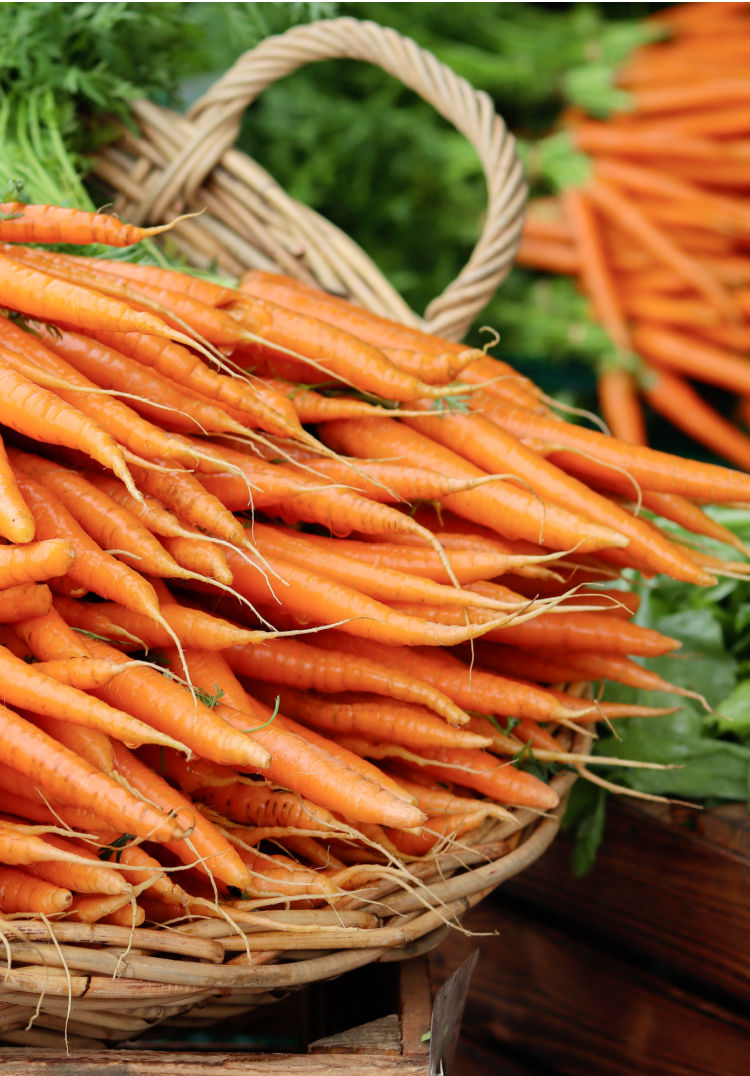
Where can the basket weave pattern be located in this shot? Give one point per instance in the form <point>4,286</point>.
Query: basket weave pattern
<point>180,163</point>
<point>106,983</point>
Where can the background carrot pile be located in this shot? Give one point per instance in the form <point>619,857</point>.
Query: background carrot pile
<point>262,642</point>
<point>652,219</point>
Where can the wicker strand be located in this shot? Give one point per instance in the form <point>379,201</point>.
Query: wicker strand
<point>189,162</point>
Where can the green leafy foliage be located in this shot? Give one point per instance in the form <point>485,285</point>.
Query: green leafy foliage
<point>710,750</point>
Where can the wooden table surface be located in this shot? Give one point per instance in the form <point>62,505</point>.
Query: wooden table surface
<point>642,968</point>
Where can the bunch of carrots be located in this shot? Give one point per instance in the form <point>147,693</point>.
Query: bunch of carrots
<point>263,642</point>
<point>652,220</point>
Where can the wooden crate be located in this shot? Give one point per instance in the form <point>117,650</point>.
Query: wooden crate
<point>390,1004</point>
<point>642,968</point>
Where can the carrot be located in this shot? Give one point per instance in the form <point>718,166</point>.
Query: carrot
<point>48,638</point>
<point>183,281</point>
<point>71,779</point>
<point>163,523</point>
<point>169,707</point>
<point>469,688</point>
<point>673,398</point>
<point>586,630</point>
<point>390,482</point>
<point>92,569</point>
<point>566,666</point>
<point>549,255</point>
<point>297,664</point>
<point>217,857</point>
<point>25,686</point>
<point>95,877</point>
<point>158,398</point>
<point>599,138</point>
<point>620,406</point>
<point>91,744</point>
<point>26,223</point>
<point>40,414</point>
<point>625,212</point>
<point>333,749</point>
<point>690,516</point>
<point>113,416</point>
<point>193,627</point>
<point>126,916</point>
<point>92,909</point>
<point>510,510</point>
<point>502,781</point>
<point>23,601</point>
<point>41,295</point>
<point>690,97</point>
<point>279,876</point>
<point>648,467</point>
<point>270,411</point>
<point>362,715</point>
<point>389,336</point>
<point>388,584</point>
<point>85,674</point>
<point>242,799</point>
<point>107,523</point>
<point>469,565</point>
<point>22,892</point>
<point>595,274</point>
<point>16,521</point>
<point>175,308</point>
<point>312,596</point>
<point>298,497</point>
<point>346,357</point>
<point>192,501</point>
<point>297,763</point>
<point>311,407</point>
<point>692,358</point>
<point>35,561</point>
<point>484,443</point>
<point>197,557</point>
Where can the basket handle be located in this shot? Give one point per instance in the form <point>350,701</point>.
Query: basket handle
<point>217,115</point>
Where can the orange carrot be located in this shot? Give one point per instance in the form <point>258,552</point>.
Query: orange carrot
<point>16,521</point>
<point>300,665</point>
<point>92,569</point>
<point>296,762</point>
<point>346,357</point>
<point>620,406</point>
<point>626,213</point>
<point>23,601</point>
<point>71,779</point>
<point>25,686</point>
<point>512,511</point>
<point>216,855</point>
<point>598,455</point>
<point>469,688</point>
<point>26,223</point>
<point>673,398</point>
<point>484,443</point>
<point>22,892</point>
<point>35,561</point>
<point>362,715</point>
<point>169,707</point>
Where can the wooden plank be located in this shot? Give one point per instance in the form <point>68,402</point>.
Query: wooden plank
<point>665,891</point>
<point>36,1062</point>
<point>415,1006</point>
<point>381,1037</point>
<point>559,1003</point>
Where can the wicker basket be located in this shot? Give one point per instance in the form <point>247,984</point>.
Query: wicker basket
<point>104,984</point>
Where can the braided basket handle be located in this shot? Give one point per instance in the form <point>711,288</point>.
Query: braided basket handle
<point>216,121</point>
